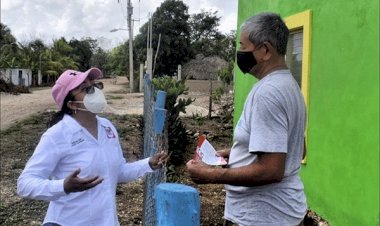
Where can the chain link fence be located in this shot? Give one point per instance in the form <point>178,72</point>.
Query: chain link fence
<point>155,141</point>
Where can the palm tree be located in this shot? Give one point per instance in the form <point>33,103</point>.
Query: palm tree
<point>8,48</point>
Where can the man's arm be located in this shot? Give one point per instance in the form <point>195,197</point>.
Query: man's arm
<point>269,168</point>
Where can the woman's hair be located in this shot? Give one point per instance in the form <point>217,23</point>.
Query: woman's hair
<point>59,115</point>
<point>267,27</point>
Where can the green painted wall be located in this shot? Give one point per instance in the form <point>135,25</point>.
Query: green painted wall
<point>341,176</point>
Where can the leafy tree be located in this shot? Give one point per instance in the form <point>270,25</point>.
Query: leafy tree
<point>6,36</point>
<point>82,52</point>
<point>31,54</point>
<point>100,60</point>
<point>171,21</point>
<point>61,47</point>
<point>9,49</point>
<point>204,33</point>
<point>118,60</point>
<point>58,60</point>
<point>228,44</point>
<point>207,40</point>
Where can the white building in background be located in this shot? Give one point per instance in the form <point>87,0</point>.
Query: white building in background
<point>19,76</point>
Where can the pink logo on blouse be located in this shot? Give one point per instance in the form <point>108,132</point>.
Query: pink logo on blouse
<point>109,132</point>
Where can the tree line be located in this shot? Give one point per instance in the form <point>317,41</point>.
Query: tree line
<point>183,36</point>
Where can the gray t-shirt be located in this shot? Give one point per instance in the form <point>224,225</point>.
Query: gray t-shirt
<point>273,120</point>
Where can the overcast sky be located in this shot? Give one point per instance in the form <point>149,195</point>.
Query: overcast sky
<point>52,19</point>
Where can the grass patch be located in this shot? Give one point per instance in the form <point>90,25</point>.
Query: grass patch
<point>120,91</point>
<point>110,97</point>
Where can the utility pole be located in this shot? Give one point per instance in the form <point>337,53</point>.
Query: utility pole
<point>39,75</point>
<point>130,28</point>
<point>149,49</point>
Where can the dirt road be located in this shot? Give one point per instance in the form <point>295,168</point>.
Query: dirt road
<point>120,101</point>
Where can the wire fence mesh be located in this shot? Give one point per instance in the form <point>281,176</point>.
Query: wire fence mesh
<point>153,143</point>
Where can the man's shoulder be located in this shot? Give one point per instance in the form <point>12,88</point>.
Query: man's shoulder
<point>276,83</point>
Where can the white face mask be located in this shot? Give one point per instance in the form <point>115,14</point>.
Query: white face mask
<point>95,102</point>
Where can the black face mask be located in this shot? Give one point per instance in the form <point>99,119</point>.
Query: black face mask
<point>245,60</point>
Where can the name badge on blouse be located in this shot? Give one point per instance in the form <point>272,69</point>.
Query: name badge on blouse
<point>76,142</point>
<point>109,132</point>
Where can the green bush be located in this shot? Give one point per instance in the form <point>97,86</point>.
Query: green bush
<point>222,97</point>
<point>177,137</point>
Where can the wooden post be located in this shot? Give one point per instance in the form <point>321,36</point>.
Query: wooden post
<point>177,204</point>
<point>141,84</point>
<point>210,97</point>
<point>179,73</point>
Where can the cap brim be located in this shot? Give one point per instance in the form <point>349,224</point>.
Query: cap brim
<point>94,73</point>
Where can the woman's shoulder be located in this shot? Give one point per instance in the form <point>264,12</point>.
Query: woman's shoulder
<point>63,129</point>
<point>57,130</point>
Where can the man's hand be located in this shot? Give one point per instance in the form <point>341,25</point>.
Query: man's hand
<point>225,153</point>
<point>73,183</point>
<point>158,160</point>
<point>199,172</point>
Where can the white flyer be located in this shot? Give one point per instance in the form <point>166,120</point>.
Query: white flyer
<point>207,153</point>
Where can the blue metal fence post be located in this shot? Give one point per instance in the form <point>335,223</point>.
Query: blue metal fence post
<point>161,99</point>
<point>159,112</point>
<point>177,204</point>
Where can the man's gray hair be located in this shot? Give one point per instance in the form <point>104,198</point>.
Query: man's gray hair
<point>267,27</point>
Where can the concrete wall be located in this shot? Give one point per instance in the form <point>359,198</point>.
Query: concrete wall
<point>18,76</point>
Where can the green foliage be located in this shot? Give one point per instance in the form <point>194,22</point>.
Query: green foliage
<point>171,21</point>
<point>173,90</point>
<point>227,46</point>
<point>10,53</point>
<point>177,136</point>
<point>205,38</point>
<point>199,118</point>
<point>82,52</point>
<point>204,33</point>
<point>118,60</point>
<point>100,59</point>
<point>110,97</point>
<point>56,60</point>
<point>222,96</point>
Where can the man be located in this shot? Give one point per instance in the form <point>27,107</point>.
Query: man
<point>261,179</point>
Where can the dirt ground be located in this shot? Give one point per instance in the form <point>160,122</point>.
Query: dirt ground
<point>24,118</point>
<point>120,101</point>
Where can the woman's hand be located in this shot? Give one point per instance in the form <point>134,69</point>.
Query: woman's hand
<point>158,160</point>
<point>73,183</point>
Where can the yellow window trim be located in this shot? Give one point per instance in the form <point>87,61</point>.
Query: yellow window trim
<point>296,22</point>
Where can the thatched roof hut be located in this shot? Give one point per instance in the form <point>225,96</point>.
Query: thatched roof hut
<point>201,68</point>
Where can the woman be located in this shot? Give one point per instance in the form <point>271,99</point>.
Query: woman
<point>78,161</point>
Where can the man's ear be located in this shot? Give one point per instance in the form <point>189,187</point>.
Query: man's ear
<point>268,50</point>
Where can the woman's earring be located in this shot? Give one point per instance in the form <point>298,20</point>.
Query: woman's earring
<point>75,111</point>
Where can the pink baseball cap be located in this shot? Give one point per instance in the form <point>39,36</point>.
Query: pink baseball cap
<point>69,80</point>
